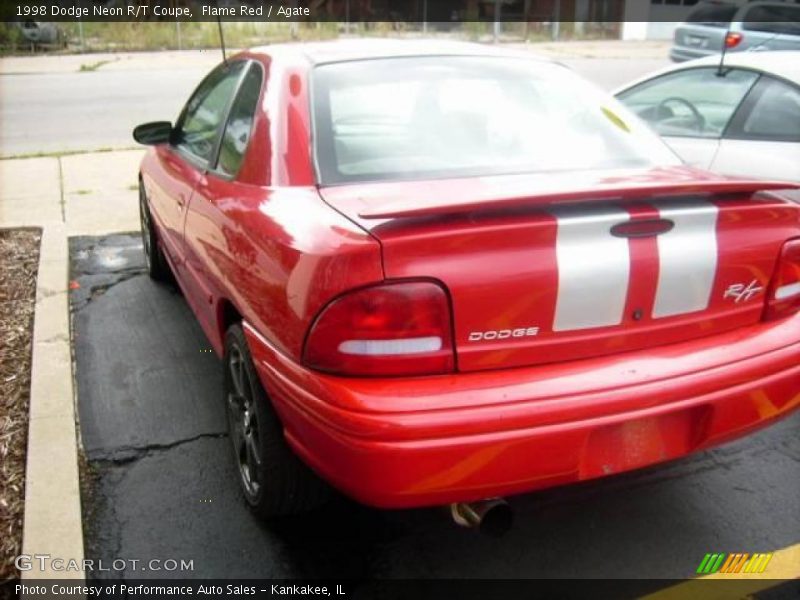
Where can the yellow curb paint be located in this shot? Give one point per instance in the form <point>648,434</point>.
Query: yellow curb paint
<point>773,569</point>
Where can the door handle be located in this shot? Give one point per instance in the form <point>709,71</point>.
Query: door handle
<point>181,202</point>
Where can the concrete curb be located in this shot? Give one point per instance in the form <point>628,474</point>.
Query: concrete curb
<point>52,522</point>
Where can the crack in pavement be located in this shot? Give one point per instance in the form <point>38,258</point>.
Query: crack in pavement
<point>125,455</point>
<point>61,202</point>
<point>92,292</point>
<point>99,290</point>
<point>97,266</point>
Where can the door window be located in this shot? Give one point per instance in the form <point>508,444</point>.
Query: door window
<point>197,130</point>
<point>690,103</point>
<point>774,114</point>
<point>240,123</point>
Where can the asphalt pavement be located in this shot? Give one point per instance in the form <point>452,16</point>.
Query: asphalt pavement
<point>62,112</point>
<point>161,480</point>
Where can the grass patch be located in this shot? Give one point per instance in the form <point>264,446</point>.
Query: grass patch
<point>131,35</point>
<point>89,67</point>
<point>155,36</point>
<point>19,262</point>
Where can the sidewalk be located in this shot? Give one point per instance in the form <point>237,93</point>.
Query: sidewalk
<point>82,194</point>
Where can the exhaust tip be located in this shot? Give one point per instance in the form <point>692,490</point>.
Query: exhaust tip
<point>493,517</point>
<point>498,521</point>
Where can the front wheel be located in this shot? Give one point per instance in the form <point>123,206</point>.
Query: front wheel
<point>274,481</point>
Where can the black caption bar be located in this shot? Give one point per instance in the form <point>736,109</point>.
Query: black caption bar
<point>435,11</point>
<point>463,589</point>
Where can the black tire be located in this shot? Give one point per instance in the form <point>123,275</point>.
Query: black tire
<point>156,263</point>
<point>274,481</point>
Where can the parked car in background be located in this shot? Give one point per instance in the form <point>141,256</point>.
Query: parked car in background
<point>742,119</point>
<point>37,32</point>
<point>737,27</point>
<point>443,273</point>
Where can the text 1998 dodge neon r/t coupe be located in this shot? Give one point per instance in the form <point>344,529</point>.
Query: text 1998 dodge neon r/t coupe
<point>445,273</point>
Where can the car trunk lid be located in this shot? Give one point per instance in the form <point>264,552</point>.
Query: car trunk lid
<point>548,268</point>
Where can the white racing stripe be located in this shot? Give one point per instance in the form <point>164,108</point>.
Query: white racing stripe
<point>687,257</point>
<point>593,268</point>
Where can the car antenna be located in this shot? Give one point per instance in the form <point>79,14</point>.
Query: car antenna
<point>720,72</point>
<point>222,40</point>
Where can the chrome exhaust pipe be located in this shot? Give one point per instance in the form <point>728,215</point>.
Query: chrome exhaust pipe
<point>492,517</point>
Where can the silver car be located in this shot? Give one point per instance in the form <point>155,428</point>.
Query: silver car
<point>712,26</point>
<point>742,119</point>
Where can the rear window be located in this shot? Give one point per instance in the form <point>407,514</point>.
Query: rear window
<point>713,15</point>
<point>773,19</point>
<point>437,117</point>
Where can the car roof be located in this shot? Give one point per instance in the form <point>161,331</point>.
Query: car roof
<point>782,63</point>
<point>366,49</point>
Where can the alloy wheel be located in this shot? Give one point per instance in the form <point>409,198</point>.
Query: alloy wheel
<point>243,422</point>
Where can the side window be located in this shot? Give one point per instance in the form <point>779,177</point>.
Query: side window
<point>690,103</point>
<point>197,130</point>
<point>240,123</point>
<point>774,114</point>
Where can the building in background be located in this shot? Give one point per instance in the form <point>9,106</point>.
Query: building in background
<point>471,10</point>
<point>631,19</point>
<point>654,19</point>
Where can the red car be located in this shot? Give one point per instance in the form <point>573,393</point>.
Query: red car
<point>445,273</point>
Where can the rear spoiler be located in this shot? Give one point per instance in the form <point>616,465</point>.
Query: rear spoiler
<point>444,203</point>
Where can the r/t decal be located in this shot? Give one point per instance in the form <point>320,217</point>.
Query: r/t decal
<point>742,293</point>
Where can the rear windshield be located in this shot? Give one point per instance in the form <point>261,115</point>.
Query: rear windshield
<point>438,117</point>
<point>713,15</point>
<point>773,19</point>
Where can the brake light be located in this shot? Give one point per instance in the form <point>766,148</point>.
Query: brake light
<point>733,39</point>
<point>391,329</point>
<point>783,297</point>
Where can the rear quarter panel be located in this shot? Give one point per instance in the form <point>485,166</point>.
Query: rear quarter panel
<point>277,255</point>
<point>267,243</point>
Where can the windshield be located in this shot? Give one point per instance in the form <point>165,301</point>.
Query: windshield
<point>713,15</point>
<point>773,19</point>
<point>436,117</point>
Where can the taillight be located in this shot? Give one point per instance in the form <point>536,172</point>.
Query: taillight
<point>391,329</point>
<point>733,39</point>
<point>783,297</point>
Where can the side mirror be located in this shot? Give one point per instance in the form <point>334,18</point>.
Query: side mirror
<point>152,134</point>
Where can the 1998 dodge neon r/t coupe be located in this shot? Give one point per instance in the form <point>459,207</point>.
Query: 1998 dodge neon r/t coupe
<point>445,273</point>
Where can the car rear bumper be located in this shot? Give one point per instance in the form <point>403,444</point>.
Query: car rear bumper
<point>435,440</point>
